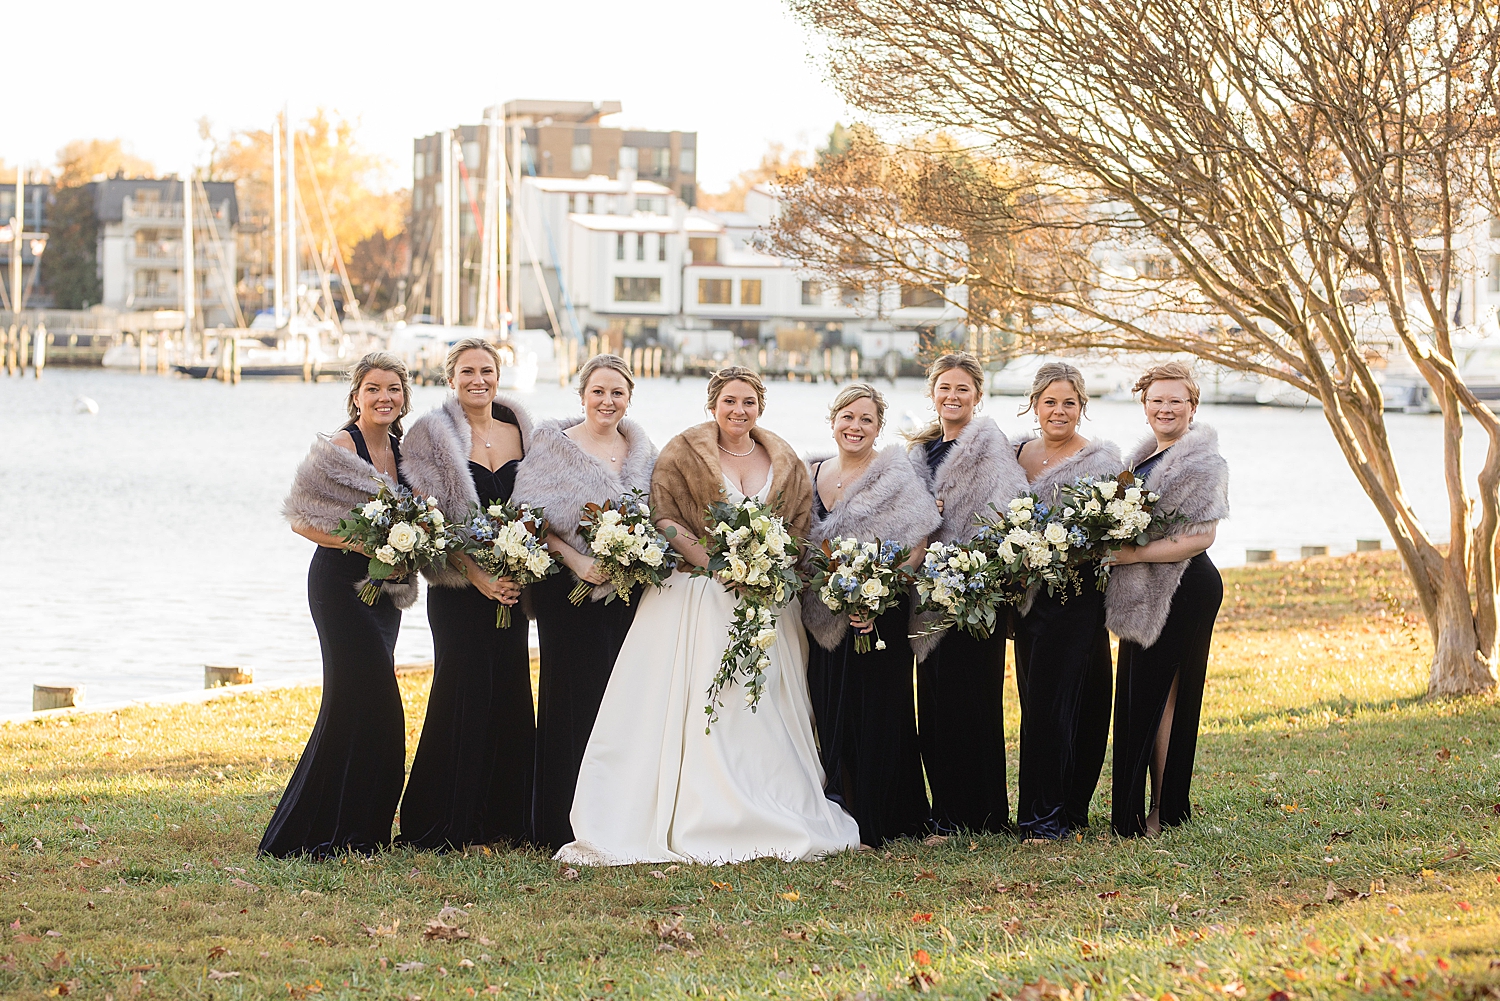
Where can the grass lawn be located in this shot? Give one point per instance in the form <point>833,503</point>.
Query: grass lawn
<point>1344,842</point>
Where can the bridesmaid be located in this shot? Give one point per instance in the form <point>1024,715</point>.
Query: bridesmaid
<point>471,778</point>
<point>343,794</point>
<point>1065,699</point>
<point>573,462</point>
<point>862,702</point>
<point>968,464</point>
<point>1161,602</point>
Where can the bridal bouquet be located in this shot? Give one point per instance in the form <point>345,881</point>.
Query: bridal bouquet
<point>622,537</point>
<point>860,578</point>
<point>508,540</point>
<point>751,552</point>
<point>966,583</point>
<point>1104,513</point>
<point>402,531</point>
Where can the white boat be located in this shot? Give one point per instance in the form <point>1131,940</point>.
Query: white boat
<point>1104,377</point>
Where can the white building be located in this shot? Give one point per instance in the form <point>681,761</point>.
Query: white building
<point>140,246</point>
<point>626,256</point>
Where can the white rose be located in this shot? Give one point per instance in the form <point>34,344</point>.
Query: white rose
<point>373,508</point>
<point>765,639</point>
<point>880,644</point>
<point>652,556</point>
<point>539,562</point>
<point>1107,489</point>
<point>1055,533</point>
<point>873,589</point>
<point>387,555</point>
<point>1133,495</point>
<point>402,536</point>
<point>1092,507</point>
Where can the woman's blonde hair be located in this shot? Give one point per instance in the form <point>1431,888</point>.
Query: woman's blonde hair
<point>1057,371</point>
<point>735,373</point>
<point>379,361</point>
<point>450,364</point>
<point>858,391</point>
<point>1174,370</point>
<point>612,362</point>
<point>947,363</point>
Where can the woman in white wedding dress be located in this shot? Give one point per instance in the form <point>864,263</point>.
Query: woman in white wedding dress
<point>653,786</point>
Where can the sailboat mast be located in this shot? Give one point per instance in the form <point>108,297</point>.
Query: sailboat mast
<point>499,286</point>
<point>449,201</point>
<point>276,262</point>
<point>289,149</point>
<point>515,205</point>
<point>18,228</point>
<point>189,285</point>
<point>487,269</point>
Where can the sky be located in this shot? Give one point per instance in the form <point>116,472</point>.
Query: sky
<point>740,74</point>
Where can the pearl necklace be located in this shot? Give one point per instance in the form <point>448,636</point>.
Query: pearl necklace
<point>738,455</point>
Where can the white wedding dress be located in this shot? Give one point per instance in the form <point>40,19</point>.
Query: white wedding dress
<point>654,787</point>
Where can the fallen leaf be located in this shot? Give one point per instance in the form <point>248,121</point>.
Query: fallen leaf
<point>1443,754</point>
<point>669,930</point>
<point>791,895</point>
<point>317,940</point>
<point>1013,926</point>
<point>921,917</point>
<point>796,935</point>
<point>721,886</point>
<point>222,974</point>
<point>1233,989</point>
<point>926,874</point>
<point>838,883</point>
<point>449,913</point>
<point>386,931</point>
<point>1278,995</point>
<point>58,961</point>
<point>436,930</point>
<point>922,980</point>
<point>1465,906</point>
<point>1043,990</point>
<point>50,933</point>
<point>251,887</point>
<point>657,874</point>
<point>309,894</point>
<point>569,873</point>
<point>27,939</point>
<point>413,967</point>
<point>87,863</point>
<point>216,952</point>
<point>921,958</point>
<point>1454,853</point>
<point>933,840</point>
<point>1108,894</point>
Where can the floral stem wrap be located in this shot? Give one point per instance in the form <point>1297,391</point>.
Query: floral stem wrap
<point>622,538</point>
<point>507,540</point>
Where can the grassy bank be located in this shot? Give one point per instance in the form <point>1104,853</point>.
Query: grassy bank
<point>1344,842</point>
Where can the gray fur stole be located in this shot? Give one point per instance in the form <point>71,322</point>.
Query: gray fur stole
<point>435,461</point>
<point>980,469</point>
<point>888,502</point>
<point>561,477</point>
<point>1100,457</point>
<point>330,483</point>
<point>1192,480</point>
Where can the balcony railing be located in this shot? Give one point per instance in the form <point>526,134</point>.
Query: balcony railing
<point>156,209</point>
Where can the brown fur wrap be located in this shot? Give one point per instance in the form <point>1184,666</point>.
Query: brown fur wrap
<point>688,478</point>
<point>330,483</point>
<point>435,461</point>
<point>887,502</point>
<point>980,469</point>
<point>1192,480</point>
<point>1100,457</point>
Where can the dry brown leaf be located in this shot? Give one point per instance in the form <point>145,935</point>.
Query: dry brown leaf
<point>441,931</point>
<point>222,974</point>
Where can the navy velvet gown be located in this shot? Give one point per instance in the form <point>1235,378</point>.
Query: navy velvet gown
<point>470,780</point>
<point>343,794</point>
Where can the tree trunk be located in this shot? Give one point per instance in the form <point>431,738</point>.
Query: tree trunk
<point>1459,667</point>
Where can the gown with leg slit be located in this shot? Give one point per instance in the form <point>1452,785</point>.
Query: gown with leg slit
<point>471,777</point>
<point>1141,690</point>
<point>343,794</point>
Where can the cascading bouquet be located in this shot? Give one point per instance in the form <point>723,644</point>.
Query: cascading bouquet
<point>966,584</point>
<point>1102,514</point>
<point>402,532</point>
<point>509,540</point>
<point>860,578</point>
<point>750,552</point>
<point>1035,545</point>
<point>623,539</point>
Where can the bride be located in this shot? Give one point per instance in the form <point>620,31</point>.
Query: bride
<point>653,786</point>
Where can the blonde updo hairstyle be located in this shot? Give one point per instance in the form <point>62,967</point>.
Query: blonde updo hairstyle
<point>1057,371</point>
<point>613,363</point>
<point>1172,370</point>
<point>859,391</point>
<point>450,364</point>
<point>947,363</point>
<point>735,373</point>
<point>379,361</point>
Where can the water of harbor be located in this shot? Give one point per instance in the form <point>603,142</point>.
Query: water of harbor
<point>146,540</point>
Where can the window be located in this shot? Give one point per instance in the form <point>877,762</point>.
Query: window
<point>471,155</point>
<point>528,159</point>
<point>640,246</point>
<point>619,246</point>
<point>687,161</point>
<point>419,167</point>
<point>583,158</point>
<point>630,158</point>
<point>749,291</point>
<point>1495,273</point>
<point>715,291</point>
<point>848,295</point>
<point>1495,228</point>
<point>705,250</point>
<point>629,289</point>
<point>661,246</point>
<point>689,195</point>
<point>921,297</point>
<point>812,294</point>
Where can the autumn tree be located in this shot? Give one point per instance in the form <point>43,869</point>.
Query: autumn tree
<point>1295,184</point>
<point>85,160</point>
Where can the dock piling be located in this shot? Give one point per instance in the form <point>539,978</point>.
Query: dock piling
<point>220,675</point>
<point>55,697</point>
